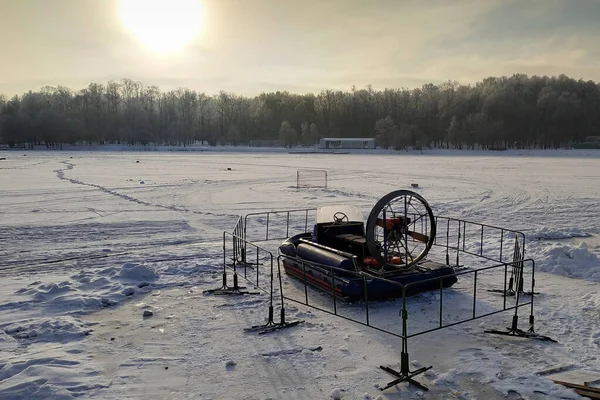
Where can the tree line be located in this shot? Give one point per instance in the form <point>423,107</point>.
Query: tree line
<point>499,112</point>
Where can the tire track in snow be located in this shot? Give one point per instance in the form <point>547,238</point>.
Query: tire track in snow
<point>26,166</point>
<point>60,174</point>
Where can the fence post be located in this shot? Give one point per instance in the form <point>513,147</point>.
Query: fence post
<point>267,237</point>
<point>405,374</point>
<point>224,289</point>
<point>474,293</point>
<point>501,243</point>
<point>481,243</point>
<point>366,290</point>
<point>458,245</point>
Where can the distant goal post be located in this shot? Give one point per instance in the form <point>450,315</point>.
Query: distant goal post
<point>311,178</point>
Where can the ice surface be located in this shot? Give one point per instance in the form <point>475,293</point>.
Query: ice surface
<point>86,249</point>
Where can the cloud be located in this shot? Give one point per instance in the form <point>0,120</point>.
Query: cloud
<point>305,45</point>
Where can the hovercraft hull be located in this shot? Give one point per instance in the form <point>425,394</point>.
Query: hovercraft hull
<point>336,274</point>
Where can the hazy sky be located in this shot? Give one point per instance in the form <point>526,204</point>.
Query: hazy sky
<point>249,46</point>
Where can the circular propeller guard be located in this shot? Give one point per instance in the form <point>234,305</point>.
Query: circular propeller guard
<point>400,230</point>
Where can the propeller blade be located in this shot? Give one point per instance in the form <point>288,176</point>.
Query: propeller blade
<point>390,223</point>
<point>419,236</point>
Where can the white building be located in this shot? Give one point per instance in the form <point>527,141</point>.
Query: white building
<point>347,143</point>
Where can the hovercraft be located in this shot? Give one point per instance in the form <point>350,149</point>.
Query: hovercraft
<point>385,260</point>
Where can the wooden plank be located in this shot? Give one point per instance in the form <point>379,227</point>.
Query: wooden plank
<point>586,393</point>
<point>584,382</point>
<point>576,376</point>
<point>579,386</point>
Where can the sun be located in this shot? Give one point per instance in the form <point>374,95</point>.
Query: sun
<point>164,26</point>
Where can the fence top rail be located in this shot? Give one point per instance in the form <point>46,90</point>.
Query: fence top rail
<point>362,274</point>
<point>437,216</point>
<point>278,212</point>
<point>483,225</point>
<point>404,298</point>
<point>459,249</point>
<point>443,217</point>
<point>241,239</point>
<point>477,270</point>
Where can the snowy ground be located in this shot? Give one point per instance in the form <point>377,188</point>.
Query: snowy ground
<point>91,240</point>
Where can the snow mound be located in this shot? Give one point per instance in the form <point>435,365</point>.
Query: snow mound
<point>86,291</point>
<point>568,260</point>
<point>57,330</point>
<point>52,290</point>
<point>42,316</point>
<point>137,273</point>
<point>46,377</point>
<point>446,379</point>
<point>95,288</point>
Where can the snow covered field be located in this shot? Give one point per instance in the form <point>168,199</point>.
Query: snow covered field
<point>91,240</point>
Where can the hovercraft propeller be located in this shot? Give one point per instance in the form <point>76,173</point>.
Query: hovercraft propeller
<point>402,225</point>
<point>397,224</point>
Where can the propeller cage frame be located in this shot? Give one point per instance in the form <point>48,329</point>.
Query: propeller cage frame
<point>401,224</point>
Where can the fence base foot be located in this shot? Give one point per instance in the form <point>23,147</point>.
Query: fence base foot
<point>405,377</point>
<point>227,291</point>
<point>271,327</point>
<point>521,333</point>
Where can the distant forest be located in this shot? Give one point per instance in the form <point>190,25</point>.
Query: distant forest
<point>506,112</point>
